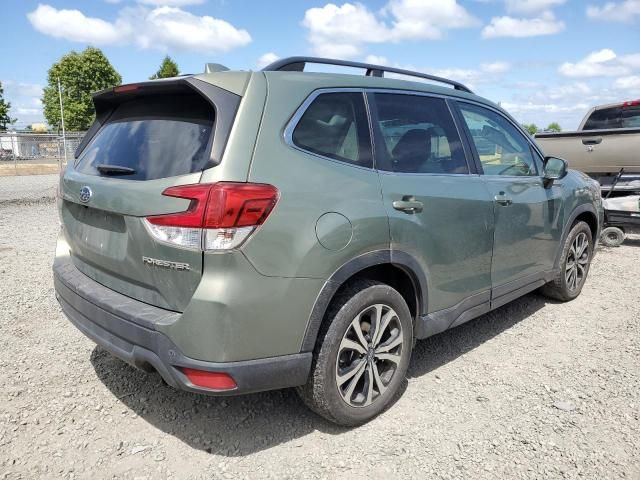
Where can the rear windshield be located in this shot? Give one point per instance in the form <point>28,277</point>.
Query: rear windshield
<point>616,117</point>
<point>156,137</point>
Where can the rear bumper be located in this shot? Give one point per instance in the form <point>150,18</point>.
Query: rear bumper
<point>125,327</point>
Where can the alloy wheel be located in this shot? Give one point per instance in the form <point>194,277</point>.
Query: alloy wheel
<point>369,355</point>
<point>577,262</point>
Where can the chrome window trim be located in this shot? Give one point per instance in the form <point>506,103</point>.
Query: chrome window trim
<point>295,118</point>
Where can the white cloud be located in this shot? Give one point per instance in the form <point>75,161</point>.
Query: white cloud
<point>625,11</point>
<point>486,73</point>
<point>631,82</point>
<point>21,89</point>
<point>529,7</point>
<point>603,63</point>
<point>427,19</point>
<point>376,60</point>
<point>164,28</point>
<point>171,3</point>
<point>342,31</point>
<point>266,59</point>
<point>545,24</point>
<point>73,25</point>
<point>495,67</point>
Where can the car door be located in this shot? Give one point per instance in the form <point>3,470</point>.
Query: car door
<point>528,221</point>
<point>440,211</point>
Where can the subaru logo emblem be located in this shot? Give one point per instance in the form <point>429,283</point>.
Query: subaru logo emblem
<point>85,194</point>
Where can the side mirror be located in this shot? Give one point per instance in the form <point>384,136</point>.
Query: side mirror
<point>554,169</point>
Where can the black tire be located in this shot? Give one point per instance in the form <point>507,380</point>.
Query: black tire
<point>612,237</point>
<point>322,393</point>
<point>561,288</point>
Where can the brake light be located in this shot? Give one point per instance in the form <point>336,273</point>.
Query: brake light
<point>631,103</point>
<point>212,380</point>
<point>126,88</point>
<point>221,216</point>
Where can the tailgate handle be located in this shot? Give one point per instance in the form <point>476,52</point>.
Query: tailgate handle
<point>592,141</point>
<point>408,204</point>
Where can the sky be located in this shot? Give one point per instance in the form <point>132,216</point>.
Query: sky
<point>542,60</point>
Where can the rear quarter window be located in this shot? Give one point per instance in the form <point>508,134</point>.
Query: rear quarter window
<point>156,136</point>
<point>335,126</point>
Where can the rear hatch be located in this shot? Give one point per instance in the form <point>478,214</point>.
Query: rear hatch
<point>147,137</point>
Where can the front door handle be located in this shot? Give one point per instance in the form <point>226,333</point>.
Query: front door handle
<point>592,141</point>
<point>502,199</point>
<point>408,204</point>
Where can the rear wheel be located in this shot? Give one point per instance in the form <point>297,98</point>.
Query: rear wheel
<point>574,265</point>
<point>362,354</point>
<point>612,237</point>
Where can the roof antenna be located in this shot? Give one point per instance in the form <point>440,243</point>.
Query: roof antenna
<point>214,67</point>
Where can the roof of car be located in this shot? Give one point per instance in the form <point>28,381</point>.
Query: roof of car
<point>319,80</point>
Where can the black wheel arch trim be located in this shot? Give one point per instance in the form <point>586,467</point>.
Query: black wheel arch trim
<point>397,258</point>
<point>580,209</point>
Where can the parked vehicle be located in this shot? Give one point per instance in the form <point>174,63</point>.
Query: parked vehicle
<point>246,231</point>
<point>607,140</point>
<point>621,216</point>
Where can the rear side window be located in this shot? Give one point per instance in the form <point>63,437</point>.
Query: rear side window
<point>156,136</point>
<point>418,135</point>
<point>335,126</point>
<point>631,117</point>
<point>603,119</point>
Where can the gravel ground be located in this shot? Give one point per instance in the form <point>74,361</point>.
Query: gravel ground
<point>535,389</point>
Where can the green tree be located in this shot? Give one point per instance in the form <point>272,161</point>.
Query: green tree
<point>532,128</point>
<point>168,68</point>
<point>5,119</point>
<point>80,74</point>
<point>554,127</point>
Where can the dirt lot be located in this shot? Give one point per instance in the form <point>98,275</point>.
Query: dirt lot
<point>535,389</point>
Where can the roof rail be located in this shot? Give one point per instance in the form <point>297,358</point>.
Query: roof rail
<point>297,64</point>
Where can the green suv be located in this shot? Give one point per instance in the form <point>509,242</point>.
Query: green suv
<point>246,231</point>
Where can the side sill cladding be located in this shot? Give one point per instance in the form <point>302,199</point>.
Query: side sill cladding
<point>349,269</point>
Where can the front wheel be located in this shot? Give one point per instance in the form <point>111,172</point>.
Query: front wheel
<point>362,354</point>
<point>574,265</point>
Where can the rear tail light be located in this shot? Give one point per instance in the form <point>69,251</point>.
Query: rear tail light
<point>631,103</point>
<point>212,380</point>
<point>221,216</point>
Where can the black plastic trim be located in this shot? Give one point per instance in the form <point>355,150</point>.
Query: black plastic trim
<point>468,309</point>
<point>584,208</point>
<point>297,64</point>
<point>379,257</point>
<point>125,327</point>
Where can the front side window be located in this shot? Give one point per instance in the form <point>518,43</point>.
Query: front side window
<point>335,125</point>
<point>418,135</point>
<point>502,149</point>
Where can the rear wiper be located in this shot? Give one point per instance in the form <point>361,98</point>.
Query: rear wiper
<point>115,170</point>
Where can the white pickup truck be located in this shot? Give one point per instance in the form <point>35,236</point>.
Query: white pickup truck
<point>607,141</point>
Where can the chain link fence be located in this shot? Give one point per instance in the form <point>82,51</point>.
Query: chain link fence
<point>36,153</point>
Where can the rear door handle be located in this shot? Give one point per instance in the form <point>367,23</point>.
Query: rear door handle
<point>502,199</point>
<point>408,204</point>
<point>592,141</point>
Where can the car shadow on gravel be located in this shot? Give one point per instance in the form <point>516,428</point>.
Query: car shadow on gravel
<point>238,426</point>
<point>436,351</point>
